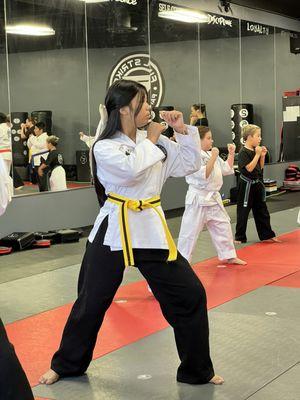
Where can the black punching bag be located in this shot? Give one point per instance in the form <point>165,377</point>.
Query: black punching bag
<point>83,165</point>
<point>44,116</point>
<point>19,146</point>
<point>241,115</point>
<point>156,118</point>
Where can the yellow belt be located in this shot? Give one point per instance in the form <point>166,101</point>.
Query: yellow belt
<point>139,205</point>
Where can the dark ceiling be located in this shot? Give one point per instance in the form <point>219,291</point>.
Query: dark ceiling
<point>112,24</point>
<point>290,8</point>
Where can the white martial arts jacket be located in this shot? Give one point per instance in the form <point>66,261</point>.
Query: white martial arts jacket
<point>5,142</point>
<point>5,187</point>
<point>138,171</point>
<point>37,145</point>
<point>205,191</point>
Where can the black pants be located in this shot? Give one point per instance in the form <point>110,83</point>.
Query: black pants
<point>180,293</point>
<point>13,381</point>
<point>259,209</point>
<point>41,180</point>
<point>17,179</point>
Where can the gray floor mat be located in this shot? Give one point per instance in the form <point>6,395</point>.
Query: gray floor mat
<point>248,350</point>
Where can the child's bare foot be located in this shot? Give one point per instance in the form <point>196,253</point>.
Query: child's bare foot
<point>273,239</point>
<point>237,241</point>
<point>49,377</point>
<point>217,380</point>
<point>237,261</point>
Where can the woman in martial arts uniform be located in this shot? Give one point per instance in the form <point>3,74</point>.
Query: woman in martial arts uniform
<point>203,203</point>
<point>37,144</point>
<point>251,190</point>
<point>130,167</point>
<point>52,167</point>
<point>13,381</point>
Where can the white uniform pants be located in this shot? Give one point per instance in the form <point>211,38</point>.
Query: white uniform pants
<point>58,179</point>
<point>7,165</point>
<point>218,224</point>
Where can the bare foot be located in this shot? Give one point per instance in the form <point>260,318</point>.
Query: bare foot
<point>217,380</point>
<point>49,377</point>
<point>237,242</point>
<point>274,240</point>
<point>237,261</point>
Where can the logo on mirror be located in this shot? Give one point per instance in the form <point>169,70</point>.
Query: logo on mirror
<point>219,20</point>
<point>137,67</point>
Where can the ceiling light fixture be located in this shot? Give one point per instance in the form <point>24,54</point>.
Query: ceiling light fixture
<point>184,15</point>
<point>30,30</point>
<point>95,1</point>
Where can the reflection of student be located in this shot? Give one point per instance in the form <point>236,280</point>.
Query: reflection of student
<point>203,203</point>
<point>13,381</point>
<point>5,186</point>
<point>251,190</point>
<point>27,129</point>
<point>89,140</point>
<point>198,115</point>
<point>128,165</point>
<point>5,141</point>
<point>52,167</point>
<point>37,143</point>
<point>6,150</point>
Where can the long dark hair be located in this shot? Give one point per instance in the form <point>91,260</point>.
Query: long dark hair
<point>120,94</point>
<point>3,118</point>
<point>200,107</point>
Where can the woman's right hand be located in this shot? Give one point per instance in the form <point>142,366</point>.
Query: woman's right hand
<point>154,130</point>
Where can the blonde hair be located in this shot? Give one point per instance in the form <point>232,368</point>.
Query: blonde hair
<point>249,130</point>
<point>52,140</point>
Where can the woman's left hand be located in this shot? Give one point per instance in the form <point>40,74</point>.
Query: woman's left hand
<point>175,120</point>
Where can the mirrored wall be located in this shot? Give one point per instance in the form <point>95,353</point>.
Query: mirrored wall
<point>58,58</point>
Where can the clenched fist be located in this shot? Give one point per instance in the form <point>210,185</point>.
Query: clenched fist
<point>174,119</point>
<point>231,148</point>
<point>154,130</point>
<point>258,150</point>
<point>215,152</point>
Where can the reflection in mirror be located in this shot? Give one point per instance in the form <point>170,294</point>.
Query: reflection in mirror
<point>118,48</point>
<point>287,95</point>
<point>174,51</point>
<point>5,132</point>
<point>258,80</point>
<point>48,91</point>
<point>220,77</point>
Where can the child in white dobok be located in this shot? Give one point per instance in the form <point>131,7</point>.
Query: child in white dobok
<point>203,203</point>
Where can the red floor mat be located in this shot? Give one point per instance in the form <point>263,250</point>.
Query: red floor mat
<point>37,337</point>
<point>292,280</point>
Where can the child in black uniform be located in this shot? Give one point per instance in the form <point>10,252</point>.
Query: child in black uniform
<point>52,168</point>
<point>251,190</point>
<point>130,167</point>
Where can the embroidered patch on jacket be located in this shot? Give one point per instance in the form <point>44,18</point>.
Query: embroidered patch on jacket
<point>60,159</point>
<point>126,150</point>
